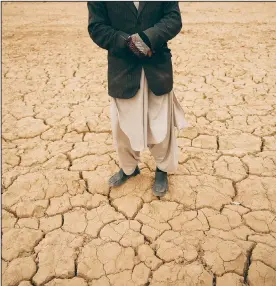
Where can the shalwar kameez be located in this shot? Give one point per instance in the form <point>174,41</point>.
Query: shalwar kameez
<point>147,121</point>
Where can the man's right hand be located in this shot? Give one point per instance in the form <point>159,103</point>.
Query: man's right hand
<point>138,47</point>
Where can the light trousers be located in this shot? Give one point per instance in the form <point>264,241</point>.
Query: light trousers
<point>165,153</point>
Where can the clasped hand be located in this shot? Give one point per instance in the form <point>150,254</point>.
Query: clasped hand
<point>138,46</point>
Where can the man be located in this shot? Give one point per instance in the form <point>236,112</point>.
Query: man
<point>144,109</point>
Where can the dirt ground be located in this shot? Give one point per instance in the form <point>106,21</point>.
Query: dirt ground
<point>63,226</point>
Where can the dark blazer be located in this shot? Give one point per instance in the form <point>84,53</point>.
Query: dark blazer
<point>110,23</point>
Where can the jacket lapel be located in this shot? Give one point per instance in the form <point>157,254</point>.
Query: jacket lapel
<point>142,5</point>
<point>132,7</point>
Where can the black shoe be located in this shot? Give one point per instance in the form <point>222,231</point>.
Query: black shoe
<point>160,186</point>
<point>120,177</point>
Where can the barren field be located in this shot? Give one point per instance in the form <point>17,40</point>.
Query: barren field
<point>61,223</point>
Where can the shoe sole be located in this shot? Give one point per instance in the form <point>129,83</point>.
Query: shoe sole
<point>160,194</point>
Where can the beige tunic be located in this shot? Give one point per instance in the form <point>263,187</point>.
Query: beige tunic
<point>144,117</point>
<point>136,3</point>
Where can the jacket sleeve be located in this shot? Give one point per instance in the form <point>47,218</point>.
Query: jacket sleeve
<point>102,33</point>
<point>167,28</point>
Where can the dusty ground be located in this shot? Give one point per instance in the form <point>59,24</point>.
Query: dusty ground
<point>63,226</point>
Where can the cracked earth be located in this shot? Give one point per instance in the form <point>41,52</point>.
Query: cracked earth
<point>61,223</point>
